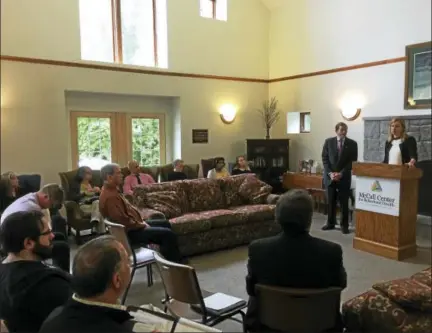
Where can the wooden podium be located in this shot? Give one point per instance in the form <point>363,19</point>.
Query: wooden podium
<point>386,209</point>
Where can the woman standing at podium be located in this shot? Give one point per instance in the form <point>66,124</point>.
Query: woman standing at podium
<point>400,148</point>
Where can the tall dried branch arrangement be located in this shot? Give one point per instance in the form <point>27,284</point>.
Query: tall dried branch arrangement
<point>269,113</point>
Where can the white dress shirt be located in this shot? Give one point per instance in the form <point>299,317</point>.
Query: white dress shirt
<point>395,155</point>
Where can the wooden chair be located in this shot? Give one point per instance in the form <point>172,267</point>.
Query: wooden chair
<point>319,198</point>
<point>141,256</point>
<point>298,310</point>
<point>182,290</point>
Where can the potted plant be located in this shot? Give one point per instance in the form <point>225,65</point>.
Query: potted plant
<point>270,114</point>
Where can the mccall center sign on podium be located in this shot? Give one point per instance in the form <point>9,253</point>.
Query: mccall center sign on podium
<point>378,195</point>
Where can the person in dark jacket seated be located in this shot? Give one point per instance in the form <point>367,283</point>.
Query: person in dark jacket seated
<point>293,259</point>
<point>29,289</point>
<point>100,275</point>
<point>241,166</point>
<point>177,173</point>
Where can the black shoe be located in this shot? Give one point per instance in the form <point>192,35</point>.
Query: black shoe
<point>328,227</point>
<point>345,230</point>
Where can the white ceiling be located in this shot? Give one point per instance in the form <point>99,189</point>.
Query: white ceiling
<point>271,4</point>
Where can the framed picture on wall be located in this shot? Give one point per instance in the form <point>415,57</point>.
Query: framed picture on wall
<point>418,80</point>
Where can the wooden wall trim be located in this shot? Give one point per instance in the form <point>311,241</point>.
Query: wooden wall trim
<point>115,68</point>
<point>340,69</point>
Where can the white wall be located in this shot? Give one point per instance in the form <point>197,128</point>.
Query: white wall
<point>34,111</point>
<point>313,35</point>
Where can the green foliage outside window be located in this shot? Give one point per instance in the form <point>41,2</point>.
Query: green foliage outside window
<point>94,138</point>
<point>146,141</point>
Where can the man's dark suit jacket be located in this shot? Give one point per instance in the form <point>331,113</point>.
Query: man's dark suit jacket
<point>408,150</point>
<point>293,261</point>
<point>334,163</point>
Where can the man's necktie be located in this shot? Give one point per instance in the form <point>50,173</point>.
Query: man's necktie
<point>138,179</point>
<point>339,146</point>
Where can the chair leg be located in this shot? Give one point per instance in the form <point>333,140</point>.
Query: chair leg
<point>149,275</point>
<point>128,287</point>
<point>78,239</point>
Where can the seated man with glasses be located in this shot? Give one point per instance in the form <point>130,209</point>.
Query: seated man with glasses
<point>29,289</point>
<point>50,197</point>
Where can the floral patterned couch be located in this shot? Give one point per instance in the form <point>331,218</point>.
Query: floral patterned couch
<point>212,214</point>
<point>403,305</point>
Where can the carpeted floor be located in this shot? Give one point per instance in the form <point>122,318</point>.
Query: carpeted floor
<point>225,271</point>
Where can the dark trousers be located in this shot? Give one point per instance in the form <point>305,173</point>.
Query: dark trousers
<point>159,232</point>
<point>61,248</point>
<point>338,192</point>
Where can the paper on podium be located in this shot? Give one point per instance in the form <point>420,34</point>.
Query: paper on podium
<point>220,301</point>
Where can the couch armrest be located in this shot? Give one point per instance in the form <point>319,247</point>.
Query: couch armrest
<point>148,213</point>
<point>73,210</point>
<point>272,199</point>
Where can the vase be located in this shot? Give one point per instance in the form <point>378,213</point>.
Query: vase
<point>267,133</point>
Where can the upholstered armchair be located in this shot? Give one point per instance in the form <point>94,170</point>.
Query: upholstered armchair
<point>76,218</point>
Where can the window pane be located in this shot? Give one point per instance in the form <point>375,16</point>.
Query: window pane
<point>221,10</point>
<point>94,142</point>
<point>162,33</point>
<point>96,31</point>
<point>206,8</point>
<point>137,32</point>
<point>146,141</point>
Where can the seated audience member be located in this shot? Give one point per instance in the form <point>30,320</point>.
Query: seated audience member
<point>135,178</point>
<point>87,196</point>
<point>241,166</point>
<point>115,208</point>
<point>100,275</point>
<point>177,173</point>
<point>51,196</point>
<point>219,171</point>
<point>8,193</point>
<point>29,289</point>
<point>294,258</point>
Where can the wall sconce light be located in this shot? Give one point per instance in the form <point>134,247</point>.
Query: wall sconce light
<point>227,113</point>
<point>350,114</point>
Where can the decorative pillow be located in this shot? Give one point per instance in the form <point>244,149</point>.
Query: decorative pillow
<point>254,190</point>
<point>407,293</point>
<point>166,202</point>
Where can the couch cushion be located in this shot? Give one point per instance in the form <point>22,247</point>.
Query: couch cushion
<point>424,277</point>
<point>256,213</point>
<point>190,223</point>
<point>408,293</point>
<point>141,191</point>
<point>204,194</point>
<point>230,186</point>
<point>166,202</point>
<point>254,190</point>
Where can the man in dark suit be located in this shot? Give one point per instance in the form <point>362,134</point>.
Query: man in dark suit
<point>338,154</point>
<point>293,259</point>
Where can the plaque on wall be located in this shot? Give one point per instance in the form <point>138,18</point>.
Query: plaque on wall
<point>200,136</point>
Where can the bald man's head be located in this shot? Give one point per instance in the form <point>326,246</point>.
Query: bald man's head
<point>100,266</point>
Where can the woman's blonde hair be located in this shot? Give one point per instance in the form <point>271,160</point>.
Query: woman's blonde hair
<point>9,175</point>
<point>403,126</point>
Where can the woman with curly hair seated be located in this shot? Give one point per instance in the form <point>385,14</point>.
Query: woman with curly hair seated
<point>87,196</point>
<point>219,170</point>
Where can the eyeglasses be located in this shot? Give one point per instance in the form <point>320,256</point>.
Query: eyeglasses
<point>48,232</point>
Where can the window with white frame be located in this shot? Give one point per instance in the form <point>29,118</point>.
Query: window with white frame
<point>298,122</point>
<point>132,32</point>
<point>215,9</point>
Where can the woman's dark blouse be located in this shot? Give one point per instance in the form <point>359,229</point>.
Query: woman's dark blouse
<point>239,172</point>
